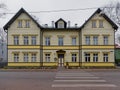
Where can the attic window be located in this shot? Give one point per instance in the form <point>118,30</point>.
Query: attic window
<point>60,25</point>
<point>100,23</point>
<point>19,23</point>
<point>27,23</point>
<point>94,24</point>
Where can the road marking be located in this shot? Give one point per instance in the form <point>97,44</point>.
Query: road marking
<point>84,85</point>
<point>79,77</point>
<point>73,75</point>
<point>79,80</point>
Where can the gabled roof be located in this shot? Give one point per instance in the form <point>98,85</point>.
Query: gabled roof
<point>16,16</point>
<point>104,15</point>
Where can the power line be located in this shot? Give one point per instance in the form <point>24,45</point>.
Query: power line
<point>65,10</point>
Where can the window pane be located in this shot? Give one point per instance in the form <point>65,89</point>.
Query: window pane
<point>94,24</point>
<point>105,57</point>
<point>95,40</point>
<point>100,23</point>
<point>27,23</point>
<point>47,41</point>
<point>95,57</point>
<point>60,25</point>
<point>74,41</point>
<point>26,57</point>
<point>105,40</point>
<point>33,40</point>
<point>87,40</point>
<point>33,58</point>
<point>74,57</point>
<point>26,41</point>
<point>60,41</point>
<point>47,57</point>
<point>87,57</point>
<point>16,57</point>
<point>16,40</point>
<point>19,23</point>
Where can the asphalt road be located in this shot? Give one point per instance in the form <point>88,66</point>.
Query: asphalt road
<point>60,80</point>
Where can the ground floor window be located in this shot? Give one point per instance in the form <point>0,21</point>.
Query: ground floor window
<point>47,57</point>
<point>26,57</point>
<point>95,57</point>
<point>105,57</point>
<point>87,57</point>
<point>74,57</point>
<point>33,57</point>
<point>16,57</point>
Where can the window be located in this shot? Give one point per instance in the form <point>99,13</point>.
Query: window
<point>94,24</point>
<point>33,41</point>
<point>16,57</point>
<point>95,57</point>
<point>60,41</point>
<point>73,40</point>
<point>27,23</point>
<point>74,57</point>
<point>100,23</point>
<point>60,25</point>
<point>33,58</point>
<point>16,40</point>
<point>87,40</point>
<point>87,57</point>
<point>95,40</point>
<point>105,40</point>
<point>25,57</point>
<point>19,23</point>
<point>47,57</point>
<point>26,41</point>
<point>47,41</point>
<point>105,57</point>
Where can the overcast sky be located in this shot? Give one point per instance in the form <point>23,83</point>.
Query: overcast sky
<point>47,5</point>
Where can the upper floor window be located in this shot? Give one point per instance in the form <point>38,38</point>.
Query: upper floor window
<point>60,41</point>
<point>94,23</point>
<point>105,57</point>
<point>47,41</point>
<point>47,57</point>
<point>87,40</point>
<point>95,57</point>
<point>105,40</point>
<point>26,57</point>
<point>33,41</point>
<point>16,57</point>
<point>26,41</point>
<point>74,57</point>
<point>87,57</point>
<point>19,23</point>
<point>33,57</point>
<point>60,25</point>
<point>100,23</point>
<point>73,40</point>
<point>27,23</point>
<point>95,40</point>
<point>16,40</point>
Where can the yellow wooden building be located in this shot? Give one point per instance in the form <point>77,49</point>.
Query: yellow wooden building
<point>90,45</point>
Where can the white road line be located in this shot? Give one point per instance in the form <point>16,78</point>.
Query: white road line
<point>79,80</point>
<point>79,77</point>
<point>84,85</point>
<point>72,75</point>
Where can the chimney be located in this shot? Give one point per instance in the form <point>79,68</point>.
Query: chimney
<point>53,24</point>
<point>68,23</point>
<point>76,25</point>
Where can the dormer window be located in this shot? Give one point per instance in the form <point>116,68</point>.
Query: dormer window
<point>60,23</point>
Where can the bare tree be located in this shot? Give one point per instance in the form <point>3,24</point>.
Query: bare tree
<point>3,8</point>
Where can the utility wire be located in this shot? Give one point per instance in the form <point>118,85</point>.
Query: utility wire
<point>65,10</point>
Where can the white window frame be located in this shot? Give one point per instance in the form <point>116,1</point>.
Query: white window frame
<point>105,57</point>
<point>47,57</point>
<point>33,40</point>
<point>26,40</point>
<point>16,57</point>
<point>47,41</point>
<point>16,40</point>
<point>73,40</point>
<point>33,57</point>
<point>95,57</point>
<point>26,57</point>
<point>87,40</point>
<point>74,57</point>
<point>105,39</point>
<point>60,25</point>
<point>87,57</point>
<point>95,40</point>
<point>60,41</point>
